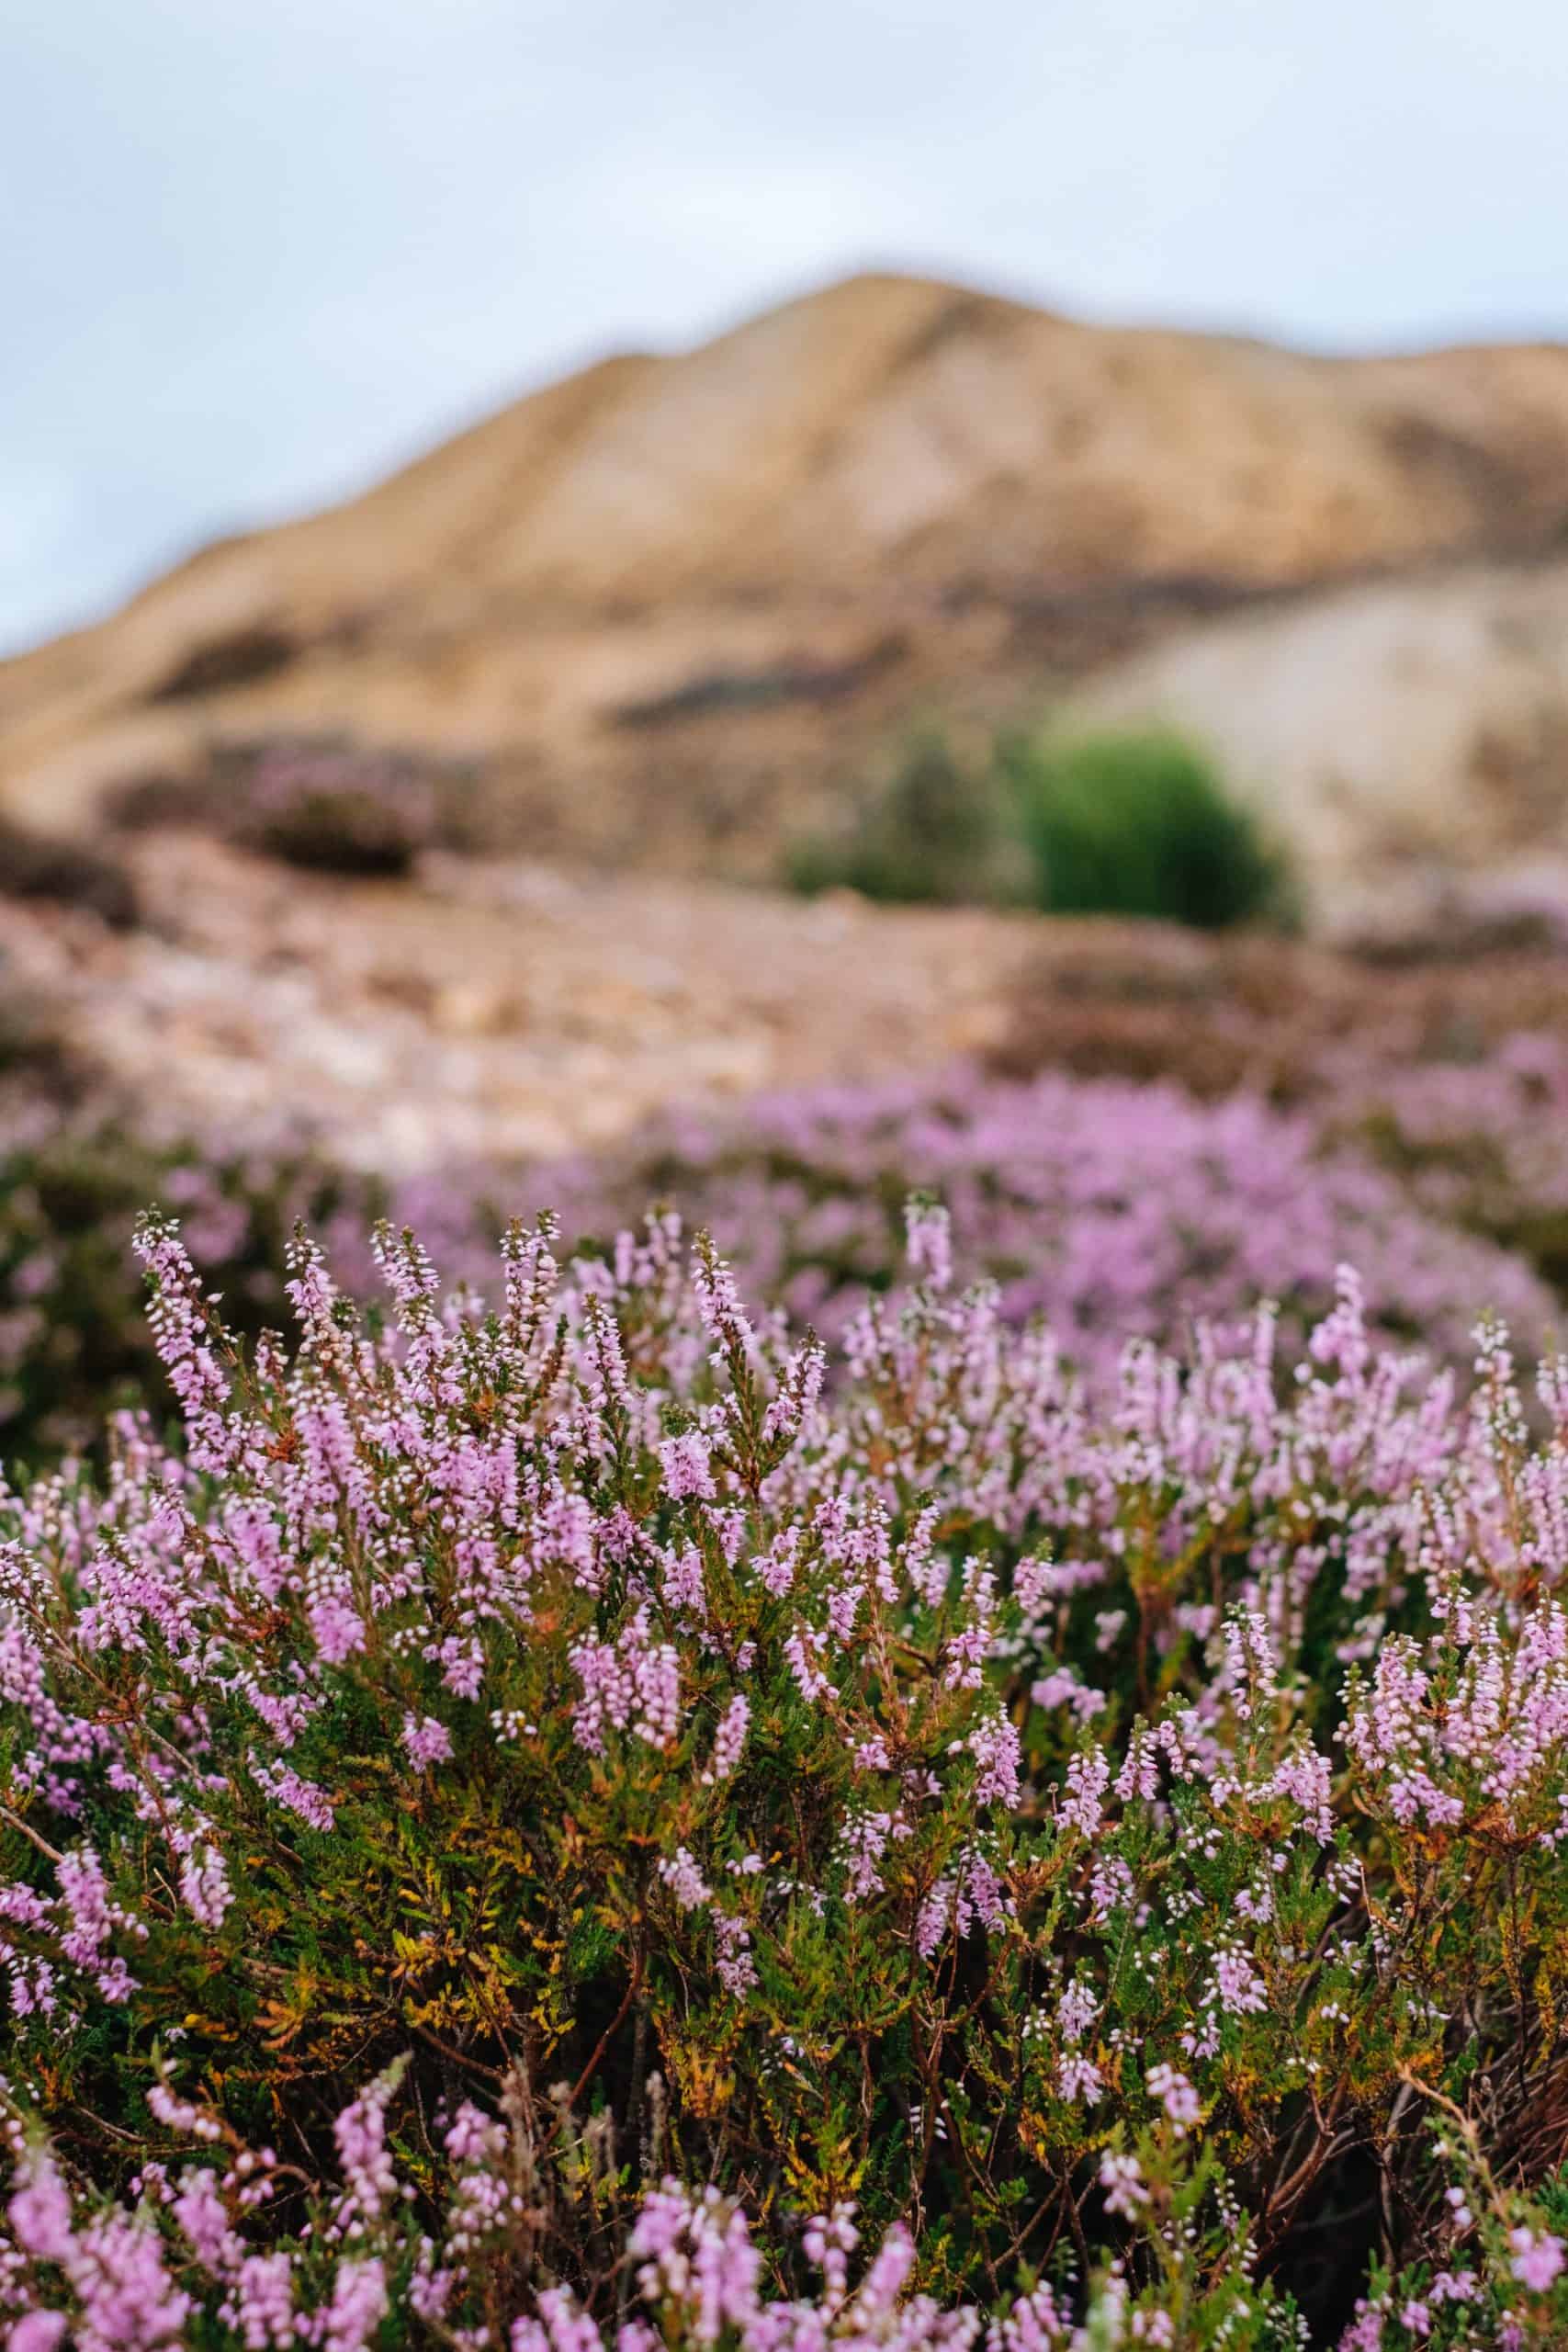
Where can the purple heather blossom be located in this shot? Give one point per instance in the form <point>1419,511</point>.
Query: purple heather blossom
<point>1537,2258</point>
<point>426,1741</point>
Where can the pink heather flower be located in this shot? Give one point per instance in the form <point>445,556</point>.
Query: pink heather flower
<point>81,1879</point>
<point>718,1302</point>
<point>1240,1988</point>
<point>199,2209</point>
<point>180,2115</point>
<point>1088,1776</point>
<point>1111,1885</point>
<point>263,2300</point>
<point>729,1741</point>
<point>936,1915</point>
<point>994,1744</point>
<point>360,2303</point>
<point>36,2332</point>
<point>1176,2095</point>
<point>1122,2179</point>
<point>1537,2258</point>
<point>1078,2007</point>
<point>928,1231</point>
<point>425,1740</point>
<point>336,1628</point>
<point>799,1388</point>
<point>632,1684</point>
<point>828,2240</point>
<point>39,2211</point>
<point>1251,1668</point>
<point>462,1663</point>
<point>360,2131</point>
<point>737,1970</point>
<point>863,1843</point>
<point>777,1569</point>
<point>1078,2079</point>
<point>686,1469</point>
<point>685,1880</point>
<point>993,1908</point>
<point>812,1683</point>
<point>303,1797</point>
<point>204,1884</point>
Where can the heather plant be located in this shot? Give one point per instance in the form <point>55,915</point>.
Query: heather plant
<point>501,1761</point>
<point>1114,1209</point>
<point>339,808</point>
<point>1479,1142</point>
<point>185,2265</point>
<point>72,872</point>
<point>327,803</point>
<point>73,1337</point>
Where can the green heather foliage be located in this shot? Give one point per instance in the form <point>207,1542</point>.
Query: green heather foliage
<point>500,1761</point>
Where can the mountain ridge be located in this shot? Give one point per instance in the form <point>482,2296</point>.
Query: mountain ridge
<point>925,492</point>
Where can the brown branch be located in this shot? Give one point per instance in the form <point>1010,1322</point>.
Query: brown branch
<point>50,1852</point>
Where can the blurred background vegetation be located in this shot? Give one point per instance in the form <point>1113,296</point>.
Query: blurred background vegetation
<point>1132,823</point>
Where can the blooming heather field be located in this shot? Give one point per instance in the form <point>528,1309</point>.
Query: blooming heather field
<point>1113,1209</point>
<point>957,1733</point>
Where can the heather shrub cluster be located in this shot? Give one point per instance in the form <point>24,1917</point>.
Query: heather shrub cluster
<point>44,866</point>
<point>73,1338</point>
<point>1115,1209</point>
<point>326,803</point>
<point>578,1819</point>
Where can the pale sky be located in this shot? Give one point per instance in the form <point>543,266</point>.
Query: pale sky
<point>254,252</point>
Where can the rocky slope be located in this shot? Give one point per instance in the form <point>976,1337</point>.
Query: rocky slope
<point>484,1009</point>
<point>676,604</point>
<point>1410,736</point>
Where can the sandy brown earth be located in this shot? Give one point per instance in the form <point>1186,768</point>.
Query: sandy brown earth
<point>491,1008</point>
<point>501,1008</point>
<point>681,607</point>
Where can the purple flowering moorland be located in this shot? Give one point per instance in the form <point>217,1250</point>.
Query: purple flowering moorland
<point>577,1821</point>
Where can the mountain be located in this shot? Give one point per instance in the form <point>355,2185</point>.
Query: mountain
<point>675,604</point>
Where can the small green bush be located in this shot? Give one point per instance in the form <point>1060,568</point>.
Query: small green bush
<point>1138,824</point>
<point>938,835</point>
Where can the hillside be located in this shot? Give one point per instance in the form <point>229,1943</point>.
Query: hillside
<point>686,599</point>
<point>1412,734</point>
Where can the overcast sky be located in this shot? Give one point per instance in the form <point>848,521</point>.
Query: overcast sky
<point>252,252</point>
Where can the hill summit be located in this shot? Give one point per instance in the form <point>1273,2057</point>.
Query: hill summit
<point>673,598</point>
